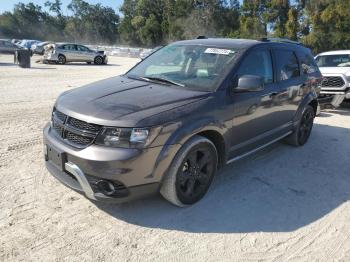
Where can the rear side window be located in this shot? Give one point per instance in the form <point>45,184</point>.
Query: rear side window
<point>69,47</point>
<point>257,63</point>
<point>287,65</point>
<point>308,64</point>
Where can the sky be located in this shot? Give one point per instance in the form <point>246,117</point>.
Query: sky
<point>7,5</point>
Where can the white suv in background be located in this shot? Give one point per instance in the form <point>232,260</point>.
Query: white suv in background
<point>335,68</point>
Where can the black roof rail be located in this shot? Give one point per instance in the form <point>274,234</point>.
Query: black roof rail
<point>279,40</point>
<point>202,37</point>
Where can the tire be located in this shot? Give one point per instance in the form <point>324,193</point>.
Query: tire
<point>61,60</point>
<point>191,172</point>
<point>303,130</point>
<point>98,60</point>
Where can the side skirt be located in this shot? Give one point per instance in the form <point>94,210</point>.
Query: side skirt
<point>258,148</point>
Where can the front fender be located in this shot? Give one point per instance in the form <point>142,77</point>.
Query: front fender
<point>180,133</point>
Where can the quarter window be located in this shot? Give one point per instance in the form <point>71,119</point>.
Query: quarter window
<point>287,65</point>
<point>257,63</point>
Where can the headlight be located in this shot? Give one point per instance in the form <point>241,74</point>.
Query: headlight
<point>347,77</point>
<point>127,137</point>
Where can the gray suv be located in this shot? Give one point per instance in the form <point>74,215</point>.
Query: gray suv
<point>178,116</point>
<point>62,53</point>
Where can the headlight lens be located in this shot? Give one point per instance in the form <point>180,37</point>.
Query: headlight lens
<point>347,77</point>
<point>127,137</point>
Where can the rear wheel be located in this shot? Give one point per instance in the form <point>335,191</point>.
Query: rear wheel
<point>191,172</point>
<point>61,59</point>
<point>302,133</point>
<point>98,60</point>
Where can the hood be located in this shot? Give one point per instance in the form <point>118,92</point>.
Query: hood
<point>124,102</point>
<point>335,70</point>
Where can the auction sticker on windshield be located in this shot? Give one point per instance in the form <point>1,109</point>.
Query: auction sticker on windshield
<point>218,51</point>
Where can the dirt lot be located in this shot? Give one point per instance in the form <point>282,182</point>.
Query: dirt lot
<point>281,204</point>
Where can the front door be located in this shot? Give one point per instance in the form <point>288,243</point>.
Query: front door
<point>84,54</point>
<point>255,114</point>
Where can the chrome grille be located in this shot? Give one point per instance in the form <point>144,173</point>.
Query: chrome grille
<point>74,131</point>
<point>333,81</point>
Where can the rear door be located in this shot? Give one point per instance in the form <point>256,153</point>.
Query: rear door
<point>291,84</point>
<point>70,52</point>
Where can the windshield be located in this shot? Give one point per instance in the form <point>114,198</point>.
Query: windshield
<point>333,61</point>
<point>193,67</point>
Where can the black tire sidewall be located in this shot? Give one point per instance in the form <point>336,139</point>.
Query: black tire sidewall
<point>307,109</point>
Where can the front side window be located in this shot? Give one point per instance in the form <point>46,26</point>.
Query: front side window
<point>333,60</point>
<point>287,65</point>
<point>190,66</point>
<point>82,48</point>
<point>308,64</point>
<point>257,63</point>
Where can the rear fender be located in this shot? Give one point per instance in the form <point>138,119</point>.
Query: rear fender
<point>312,96</point>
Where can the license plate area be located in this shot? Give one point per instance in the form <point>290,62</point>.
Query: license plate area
<point>55,157</point>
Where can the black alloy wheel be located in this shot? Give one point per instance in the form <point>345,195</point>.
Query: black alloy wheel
<point>196,173</point>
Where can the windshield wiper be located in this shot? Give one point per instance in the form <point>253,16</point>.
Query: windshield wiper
<point>159,79</point>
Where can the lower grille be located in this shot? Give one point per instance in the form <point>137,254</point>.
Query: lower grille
<point>78,139</point>
<point>333,81</point>
<point>74,131</point>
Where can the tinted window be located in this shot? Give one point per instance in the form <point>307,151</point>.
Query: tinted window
<point>333,60</point>
<point>308,64</point>
<point>287,65</point>
<point>69,47</point>
<point>257,63</point>
<point>82,48</point>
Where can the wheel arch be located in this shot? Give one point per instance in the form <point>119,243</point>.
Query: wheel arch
<point>310,99</point>
<point>213,131</point>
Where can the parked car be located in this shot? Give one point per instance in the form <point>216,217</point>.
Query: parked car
<point>335,67</point>
<point>62,53</point>
<point>39,48</point>
<point>7,47</point>
<point>146,53</point>
<point>27,43</point>
<point>169,124</point>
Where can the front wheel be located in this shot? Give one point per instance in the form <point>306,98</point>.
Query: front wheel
<point>191,172</point>
<point>303,130</point>
<point>98,60</point>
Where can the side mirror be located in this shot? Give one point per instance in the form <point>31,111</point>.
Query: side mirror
<point>249,83</point>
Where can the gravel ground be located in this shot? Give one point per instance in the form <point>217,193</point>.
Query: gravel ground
<point>281,204</point>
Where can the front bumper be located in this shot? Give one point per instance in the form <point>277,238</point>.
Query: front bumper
<point>138,171</point>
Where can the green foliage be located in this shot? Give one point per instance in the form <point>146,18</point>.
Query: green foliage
<point>89,23</point>
<point>320,24</point>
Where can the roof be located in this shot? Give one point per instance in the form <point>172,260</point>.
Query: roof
<point>237,43</point>
<point>222,42</point>
<point>337,52</point>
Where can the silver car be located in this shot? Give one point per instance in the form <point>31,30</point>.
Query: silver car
<point>62,53</point>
